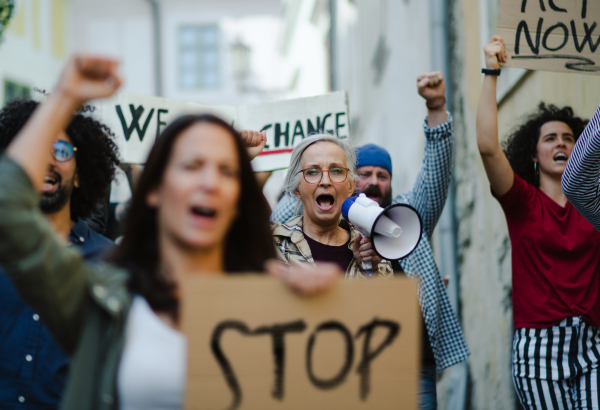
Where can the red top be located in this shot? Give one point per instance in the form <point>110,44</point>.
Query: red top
<point>555,259</point>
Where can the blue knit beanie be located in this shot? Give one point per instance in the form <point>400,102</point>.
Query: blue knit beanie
<point>374,156</point>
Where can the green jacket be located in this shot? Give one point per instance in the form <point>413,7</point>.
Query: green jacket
<point>84,306</point>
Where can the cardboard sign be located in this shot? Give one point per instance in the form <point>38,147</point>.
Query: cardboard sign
<point>254,344</point>
<point>553,35</point>
<point>137,120</point>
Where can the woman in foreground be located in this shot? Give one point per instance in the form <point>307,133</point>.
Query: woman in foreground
<point>195,208</point>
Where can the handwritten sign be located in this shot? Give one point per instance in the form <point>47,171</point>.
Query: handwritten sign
<point>553,35</point>
<point>254,344</point>
<point>137,120</point>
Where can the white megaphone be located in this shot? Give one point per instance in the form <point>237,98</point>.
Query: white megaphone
<point>395,231</point>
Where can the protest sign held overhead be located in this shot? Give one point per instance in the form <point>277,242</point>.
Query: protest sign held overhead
<point>137,120</point>
<point>253,344</point>
<point>553,35</point>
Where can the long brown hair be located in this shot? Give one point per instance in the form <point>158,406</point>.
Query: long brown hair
<point>248,243</point>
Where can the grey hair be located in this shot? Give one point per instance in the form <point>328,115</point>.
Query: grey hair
<point>292,179</point>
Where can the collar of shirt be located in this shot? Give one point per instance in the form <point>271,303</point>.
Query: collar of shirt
<point>92,245</point>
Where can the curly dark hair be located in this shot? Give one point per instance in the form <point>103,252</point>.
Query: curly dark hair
<point>96,158</point>
<point>521,145</point>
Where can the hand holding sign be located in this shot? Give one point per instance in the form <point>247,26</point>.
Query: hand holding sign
<point>495,53</point>
<point>254,345</point>
<point>255,142</point>
<point>86,78</point>
<point>306,280</point>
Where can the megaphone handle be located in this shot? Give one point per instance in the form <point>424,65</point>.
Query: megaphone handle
<point>368,267</point>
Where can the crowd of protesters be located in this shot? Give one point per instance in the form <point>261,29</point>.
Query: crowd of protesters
<point>65,287</point>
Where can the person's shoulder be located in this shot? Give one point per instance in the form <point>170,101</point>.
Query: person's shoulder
<point>286,228</point>
<point>100,240</point>
<point>92,244</point>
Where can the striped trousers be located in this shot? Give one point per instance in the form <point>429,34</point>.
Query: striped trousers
<point>557,367</point>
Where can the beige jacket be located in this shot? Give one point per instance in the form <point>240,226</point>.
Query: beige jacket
<point>292,248</point>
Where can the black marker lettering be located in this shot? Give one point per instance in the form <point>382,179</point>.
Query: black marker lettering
<point>341,376</point>
<point>322,125</point>
<point>310,128</point>
<point>368,355</point>
<point>338,125</point>
<point>555,7</point>
<point>550,30</point>
<point>158,120</point>
<point>523,27</point>
<point>215,346</point>
<point>587,38</point>
<point>136,114</point>
<point>581,64</point>
<point>524,3</point>
<point>584,9</point>
<point>277,333</point>
<point>266,127</point>
<point>278,134</point>
<point>298,130</point>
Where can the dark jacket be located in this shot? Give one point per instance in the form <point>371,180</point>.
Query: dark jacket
<point>84,306</point>
<point>33,367</point>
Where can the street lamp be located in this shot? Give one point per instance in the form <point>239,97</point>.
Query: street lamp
<point>240,55</point>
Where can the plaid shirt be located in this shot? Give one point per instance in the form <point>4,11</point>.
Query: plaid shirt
<point>428,197</point>
<point>292,248</point>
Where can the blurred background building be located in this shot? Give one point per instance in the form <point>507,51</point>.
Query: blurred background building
<point>249,51</point>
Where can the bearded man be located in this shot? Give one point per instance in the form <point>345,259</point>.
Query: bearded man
<point>33,368</point>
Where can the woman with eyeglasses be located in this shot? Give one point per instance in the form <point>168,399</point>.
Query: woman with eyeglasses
<point>322,175</point>
<point>197,209</point>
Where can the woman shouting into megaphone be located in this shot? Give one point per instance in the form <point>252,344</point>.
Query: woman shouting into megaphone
<point>555,252</point>
<point>322,175</point>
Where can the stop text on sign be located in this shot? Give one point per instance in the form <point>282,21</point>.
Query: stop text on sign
<point>368,352</point>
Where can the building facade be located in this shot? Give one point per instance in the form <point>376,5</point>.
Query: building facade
<point>34,48</point>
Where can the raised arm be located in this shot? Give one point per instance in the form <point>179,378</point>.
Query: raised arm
<point>50,277</point>
<point>83,79</point>
<point>497,167</point>
<point>430,189</point>
<point>581,179</point>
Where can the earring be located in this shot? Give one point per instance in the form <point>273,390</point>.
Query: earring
<point>536,171</point>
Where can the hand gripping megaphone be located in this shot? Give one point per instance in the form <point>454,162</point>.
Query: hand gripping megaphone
<point>395,231</point>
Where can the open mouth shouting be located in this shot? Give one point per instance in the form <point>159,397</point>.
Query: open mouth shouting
<point>325,202</point>
<point>203,216</point>
<point>560,158</point>
<point>204,212</point>
<point>51,182</point>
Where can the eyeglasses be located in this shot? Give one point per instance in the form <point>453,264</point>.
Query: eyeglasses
<point>62,151</point>
<point>314,175</point>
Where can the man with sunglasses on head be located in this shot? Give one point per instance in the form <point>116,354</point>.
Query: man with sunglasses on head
<point>443,343</point>
<point>33,368</point>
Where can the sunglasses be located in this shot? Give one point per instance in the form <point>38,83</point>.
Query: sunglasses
<point>62,151</point>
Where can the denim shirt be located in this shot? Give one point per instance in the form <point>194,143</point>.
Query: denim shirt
<point>33,368</point>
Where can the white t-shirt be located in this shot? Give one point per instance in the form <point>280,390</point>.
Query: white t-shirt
<point>152,372</point>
